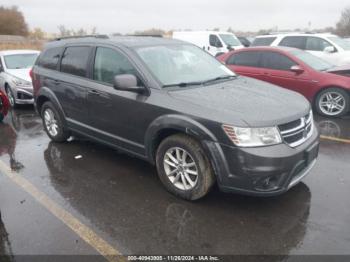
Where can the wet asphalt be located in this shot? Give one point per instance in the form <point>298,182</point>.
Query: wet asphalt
<point>121,199</point>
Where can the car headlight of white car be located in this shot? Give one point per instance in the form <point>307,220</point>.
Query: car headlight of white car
<point>20,82</point>
<point>253,137</point>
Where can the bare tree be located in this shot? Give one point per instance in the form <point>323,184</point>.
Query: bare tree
<point>343,26</point>
<point>12,22</point>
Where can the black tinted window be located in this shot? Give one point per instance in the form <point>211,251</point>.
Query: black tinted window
<point>109,63</point>
<point>263,41</point>
<point>49,59</point>
<point>214,41</point>
<point>316,44</point>
<point>75,59</point>
<point>294,41</point>
<point>245,59</point>
<point>276,61</point>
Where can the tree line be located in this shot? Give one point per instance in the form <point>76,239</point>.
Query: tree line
<point>12,22</point>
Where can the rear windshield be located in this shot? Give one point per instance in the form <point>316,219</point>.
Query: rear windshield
<point>20,61</point>
<point>263,41</point>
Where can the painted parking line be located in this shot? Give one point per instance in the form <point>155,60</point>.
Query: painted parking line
<point>83,231</point>
<point>331,138</point>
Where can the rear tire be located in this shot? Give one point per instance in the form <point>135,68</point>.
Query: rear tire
<point>332,102</point>
<point>184,168</point>
<point>54,123</point>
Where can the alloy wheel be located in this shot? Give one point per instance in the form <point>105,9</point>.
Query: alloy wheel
<point>51,122</point>
<point>180,168</point>
<point>332,103</point>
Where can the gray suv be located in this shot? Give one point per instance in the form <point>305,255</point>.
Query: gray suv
<point>174,105</point>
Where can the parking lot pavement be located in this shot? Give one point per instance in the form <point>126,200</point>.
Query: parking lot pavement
<point>122,202</point>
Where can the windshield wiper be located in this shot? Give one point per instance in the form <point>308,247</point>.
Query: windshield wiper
<point>184,84</point>
<point>219,78</point>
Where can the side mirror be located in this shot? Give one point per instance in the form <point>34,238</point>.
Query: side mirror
<point>329,49</point>
<point>127,82</point>
<point>297,69</point>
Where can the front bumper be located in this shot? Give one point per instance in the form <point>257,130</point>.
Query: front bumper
<point>24,96</point>
<point>263,171</point>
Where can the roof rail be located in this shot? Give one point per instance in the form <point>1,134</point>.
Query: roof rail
<point>81,36</point>
<point>149,35</point>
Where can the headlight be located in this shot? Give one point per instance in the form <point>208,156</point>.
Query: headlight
<point>252,137</point>
<point>20,82</point>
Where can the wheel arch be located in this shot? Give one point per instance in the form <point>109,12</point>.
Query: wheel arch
<point>168,125</point>
<point>44,95</point>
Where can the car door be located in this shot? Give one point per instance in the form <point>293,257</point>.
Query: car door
<point>246,63</point>
<point>215,45</point>
<point>72,84</point>
<point>277,70</point>
<point>316,46</point>
<point>114,114</point>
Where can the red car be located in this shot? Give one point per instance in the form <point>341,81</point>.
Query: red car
<point>327,87</point>
<point>4,105</point>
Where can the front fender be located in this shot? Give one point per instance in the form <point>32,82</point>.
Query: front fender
<point>180,123</point>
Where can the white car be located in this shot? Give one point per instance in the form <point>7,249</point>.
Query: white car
<point>15,80</point>
<point>330,47</point>
<point>214,42</point>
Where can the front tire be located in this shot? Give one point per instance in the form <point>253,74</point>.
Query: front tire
<point>184,168</point>
<point>11,97</point>
<point>54,123</point>
<point>332,102</point>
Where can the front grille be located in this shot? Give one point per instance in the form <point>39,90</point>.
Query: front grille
<point>297,132</point>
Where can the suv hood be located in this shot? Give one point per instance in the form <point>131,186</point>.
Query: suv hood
<point>20,73</point>
<point>245,102</point>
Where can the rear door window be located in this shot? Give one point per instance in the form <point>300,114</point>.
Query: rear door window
<point>263,41</point>
<point>75,60</point>
<point>276,61</point>
<point>245,59</point>
<point>294,41</point>
<point>49,59</point>
<point>109,63</point>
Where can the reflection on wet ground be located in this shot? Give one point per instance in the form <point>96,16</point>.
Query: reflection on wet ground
<point>121,199</point>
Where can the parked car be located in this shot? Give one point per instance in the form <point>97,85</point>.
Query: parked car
<point>176,106</point>
<point>326,86</point>
<point>215,43</point>
<point>244,40</point>
<point>4,105</point>
<point>329,47</point>
<point>14,75</point>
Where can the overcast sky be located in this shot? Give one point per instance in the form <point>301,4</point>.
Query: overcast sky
<point>126,16</point>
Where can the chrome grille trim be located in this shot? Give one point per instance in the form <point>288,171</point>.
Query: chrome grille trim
<point>306,127</point>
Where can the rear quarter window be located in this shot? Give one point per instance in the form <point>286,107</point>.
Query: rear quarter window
<point>50,57</point>
<point>263,41</point>
<point>245,59</point>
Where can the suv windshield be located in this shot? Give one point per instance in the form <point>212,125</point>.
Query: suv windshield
<point>230,40</point>
<point>182,64</point>
<point>340,42</point>
<point>20,61</point>
<point>312,61</point>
